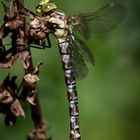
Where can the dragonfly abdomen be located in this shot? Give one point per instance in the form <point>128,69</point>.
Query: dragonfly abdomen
<point>64,49</point>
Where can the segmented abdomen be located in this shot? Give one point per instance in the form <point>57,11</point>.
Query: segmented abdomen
<point>65,51</point>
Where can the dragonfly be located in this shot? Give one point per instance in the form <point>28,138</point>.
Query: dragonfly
<point>69,32</point>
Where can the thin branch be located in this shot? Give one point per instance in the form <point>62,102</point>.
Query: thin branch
<point>38,132</point>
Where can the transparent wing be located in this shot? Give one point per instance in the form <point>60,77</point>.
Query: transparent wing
<point>84,50</point>
<point>80,68</point>
<point>102,20</point>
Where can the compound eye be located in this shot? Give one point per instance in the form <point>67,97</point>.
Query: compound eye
<point>48,7</point>
<point>42,2</point>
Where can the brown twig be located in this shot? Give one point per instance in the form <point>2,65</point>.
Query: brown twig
<point>38,133</point>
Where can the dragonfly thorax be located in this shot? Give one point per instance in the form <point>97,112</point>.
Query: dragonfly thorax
<point>59,20</point>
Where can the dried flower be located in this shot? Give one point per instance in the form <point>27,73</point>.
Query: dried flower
<point>9,102</point>
<point>30,81</point>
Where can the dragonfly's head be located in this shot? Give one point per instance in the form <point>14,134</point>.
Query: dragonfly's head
<point>45,6</point>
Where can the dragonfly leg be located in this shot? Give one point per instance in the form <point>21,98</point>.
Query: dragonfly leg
<point>49,42</point>
<point>42,45</point>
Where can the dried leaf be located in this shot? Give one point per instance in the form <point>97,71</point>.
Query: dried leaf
<point>38,133</point>
<point>31,80</point>
<point>9,62</point>
<point>31,97</point>
<point>16,108</point>
<point>36,70</point>
<point>5,97</point>
<point>25,59</point>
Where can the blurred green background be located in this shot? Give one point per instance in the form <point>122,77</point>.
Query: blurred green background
<point>109,97</point>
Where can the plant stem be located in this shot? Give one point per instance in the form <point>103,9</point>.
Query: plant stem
<point>37,117</point>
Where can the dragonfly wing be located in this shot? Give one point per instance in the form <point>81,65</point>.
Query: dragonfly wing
<point>102,20</point>
<point>85,51</point>
<point>80,68</point>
